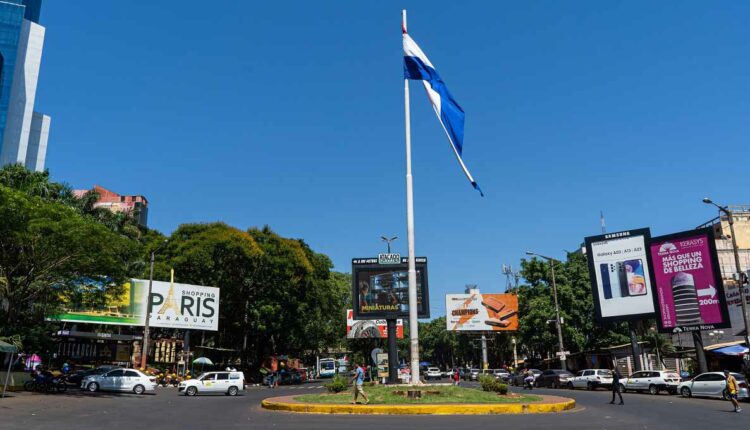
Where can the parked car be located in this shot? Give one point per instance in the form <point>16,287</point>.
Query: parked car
<point>471,374</point>
<point>433,373</point>
<point>120,380</point>
<point>229,383</point>
<point>591,379</point>
<point>652,381</point>
<point>553,378</point>
<point>78,376</point>
<point>518,377</point>
<point>713,384</point>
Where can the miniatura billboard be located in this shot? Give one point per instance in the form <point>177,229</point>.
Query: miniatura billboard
<point>620,275</point>
<point>481,312</point>
<point>381,291</point>
<point>689,293</point>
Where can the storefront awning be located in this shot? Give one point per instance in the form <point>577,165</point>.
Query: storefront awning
<point>735,350</point>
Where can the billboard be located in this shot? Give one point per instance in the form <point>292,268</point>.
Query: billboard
<point>173,305</point>
<point>620,275</point>
<point>481,312</point>
<point>689,292</point>
<point>381,291</point>
<point>367,329</point>
<point>184,306</point>
<point>123,307</point>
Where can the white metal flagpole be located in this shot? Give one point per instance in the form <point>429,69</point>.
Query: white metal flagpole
<point>413,323</point>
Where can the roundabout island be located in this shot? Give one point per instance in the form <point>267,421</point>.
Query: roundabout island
<point>430,400</point>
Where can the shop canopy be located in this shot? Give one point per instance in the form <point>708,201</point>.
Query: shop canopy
<point>6,347</point>
<point>736,350</point>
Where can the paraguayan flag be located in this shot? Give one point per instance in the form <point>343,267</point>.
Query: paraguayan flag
<point>418,67</point>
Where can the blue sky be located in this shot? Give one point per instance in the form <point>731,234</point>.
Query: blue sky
<point>291,114</point>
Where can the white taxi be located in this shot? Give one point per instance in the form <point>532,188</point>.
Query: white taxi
<point>229,383</point>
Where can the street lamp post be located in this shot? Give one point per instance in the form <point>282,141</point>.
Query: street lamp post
<point>388,241</point>
<point>552,262</point>
<point>738,269</point>
<point>146,333</point>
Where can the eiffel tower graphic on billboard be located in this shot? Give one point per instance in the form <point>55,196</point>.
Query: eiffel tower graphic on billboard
<point>170,302</point>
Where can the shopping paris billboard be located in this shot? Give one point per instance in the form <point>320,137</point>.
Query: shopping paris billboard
<point>620,275</point>
<point>689,292</point>
<point>183,306</point>
<point>481,312</point>
<point>380,288</point>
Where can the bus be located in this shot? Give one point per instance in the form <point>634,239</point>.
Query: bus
<point>327,367</point>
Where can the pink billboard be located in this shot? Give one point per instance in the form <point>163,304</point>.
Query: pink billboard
<point>688,290</point>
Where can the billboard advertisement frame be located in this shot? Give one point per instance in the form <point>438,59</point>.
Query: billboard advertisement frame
<point>647,283</point>
<point>482,312</point>
<point>359,329</point>
<point>371,264</point>
<point>715,273</point>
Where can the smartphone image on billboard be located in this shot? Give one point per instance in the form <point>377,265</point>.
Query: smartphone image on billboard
<point>611,283</point>
<point>635,278</point>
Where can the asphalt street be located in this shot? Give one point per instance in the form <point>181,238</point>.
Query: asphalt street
<point>166,410</point>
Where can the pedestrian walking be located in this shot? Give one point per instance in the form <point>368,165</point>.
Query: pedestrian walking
<point>732,388</point>
<point>456,377</point>
<point>358,379</point>
<point>616,386</point>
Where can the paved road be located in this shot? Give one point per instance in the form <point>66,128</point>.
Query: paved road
<point>166,411</point>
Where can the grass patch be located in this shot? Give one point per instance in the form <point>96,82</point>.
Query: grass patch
<point>384,395</point>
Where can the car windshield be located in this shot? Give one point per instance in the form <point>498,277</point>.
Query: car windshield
<point>202,376</point>
<point>604,372</point>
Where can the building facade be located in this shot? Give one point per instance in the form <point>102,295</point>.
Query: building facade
<point>136,205</point>
<point>23,132</point>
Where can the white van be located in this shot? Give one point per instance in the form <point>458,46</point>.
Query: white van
<point>229,383</point>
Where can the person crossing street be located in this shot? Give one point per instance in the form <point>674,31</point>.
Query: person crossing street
<point>616,386</point>
<point>732,388</point>
<point>358,379</point>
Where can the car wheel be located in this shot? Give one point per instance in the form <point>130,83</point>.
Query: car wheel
<point>589,386</point>
<point>232,391</point>
<point>139,389</point>
<point>653,390</point>
<point>191,391</point>
<point>92,387</point>
<point>685,391</point>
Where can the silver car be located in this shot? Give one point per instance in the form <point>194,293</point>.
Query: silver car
<point>712,384</point>
<point>130,380</point>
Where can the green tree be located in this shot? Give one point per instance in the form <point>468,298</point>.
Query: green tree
<point>47,251</point>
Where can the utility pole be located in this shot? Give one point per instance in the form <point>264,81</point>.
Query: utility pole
<point>146,331</point>
<point>739,276</point>
<point>558,322</point>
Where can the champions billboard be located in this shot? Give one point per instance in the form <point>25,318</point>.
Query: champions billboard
<point>620,275</point>
<point>481,312</point>
<point>369,329</point>
<point>172,306</point>
<point>689,288</point>
<point>380,289</point>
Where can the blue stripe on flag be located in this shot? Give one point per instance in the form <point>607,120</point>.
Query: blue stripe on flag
<point>451,114</point>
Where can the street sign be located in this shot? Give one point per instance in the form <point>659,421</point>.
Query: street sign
<point>562,354</point>
<point>389,258</point>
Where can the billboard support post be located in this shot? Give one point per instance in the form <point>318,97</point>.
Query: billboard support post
<point>700,354</point>
<point>634,346</point>
<point>146,334</point>
<point>392,352</point>
<point>485,363</point>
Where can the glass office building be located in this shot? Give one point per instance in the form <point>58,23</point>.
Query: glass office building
<point>23,132</point>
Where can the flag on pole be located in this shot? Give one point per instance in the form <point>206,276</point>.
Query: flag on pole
<point>418,67</point>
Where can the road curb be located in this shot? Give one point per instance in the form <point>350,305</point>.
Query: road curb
<point>286,404</point>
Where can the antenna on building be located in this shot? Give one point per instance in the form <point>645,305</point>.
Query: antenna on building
<point>601,219</point>
<point>510,277</point>
<point>471,288</point>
